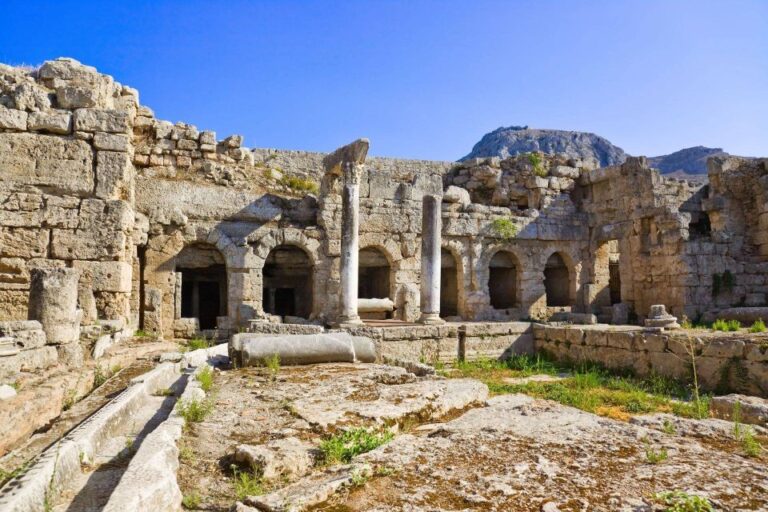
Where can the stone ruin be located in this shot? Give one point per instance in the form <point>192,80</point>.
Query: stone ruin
<point>113,221</point>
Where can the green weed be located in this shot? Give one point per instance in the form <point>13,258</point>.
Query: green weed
<point>346,445</point>
<point>194,411</point>
<point>198,343</point>
<point>679,501</point>
<point>246,483</point>
<point>758,326</point>
<point>99,377</point>
<point>300,184</point>
<point>726,325</point>
<point>272,364</point>
<point>505,228</point>
<point>205,378</point>
<point>655,457</point>
<point>669,428</point>
<point>191,500</point>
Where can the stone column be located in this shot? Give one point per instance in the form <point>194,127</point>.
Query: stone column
<point>431,227</point>
<point>53,302</point>
<point>350,223</point>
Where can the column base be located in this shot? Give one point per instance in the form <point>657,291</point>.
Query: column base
<point>431,319</point>
<point>349,321</point>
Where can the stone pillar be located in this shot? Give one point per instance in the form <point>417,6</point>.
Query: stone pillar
<point>350,223</point>
<point>53,302</point>
<point>431,227</point>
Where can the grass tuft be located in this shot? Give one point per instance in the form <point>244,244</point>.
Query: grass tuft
<point>198,343</point>
<point>679,501</point>
<point>246,483</point>
<point>726,325</point>
<point>205,378</point>
<point>758,326</point>
<point>345,446</point>
<point>191,501</point>
<point>194,411</point>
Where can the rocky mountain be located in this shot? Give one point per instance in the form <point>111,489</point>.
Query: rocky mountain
<point>513,140</point>
<point>689,160</point>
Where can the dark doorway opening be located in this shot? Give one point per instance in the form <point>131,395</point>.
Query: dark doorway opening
<point>449,284</point>
<point>203,294</point>
<point>374,275</point>
<point>502,280</point>
<point>557,282</point>
<point>287,278</point>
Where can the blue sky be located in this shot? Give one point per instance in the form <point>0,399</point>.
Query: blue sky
<point>424,79</point>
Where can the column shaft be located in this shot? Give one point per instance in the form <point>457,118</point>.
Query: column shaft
<point>431,227</point>
<point>350,221</point>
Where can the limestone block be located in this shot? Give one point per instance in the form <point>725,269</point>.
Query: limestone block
<point>23,243</point>
<point>753,410</point>
<point>106,276</point>
<point>31,97</point>
<point>64,165</point>
<point>651,342</point>
<point>53,302</point>
<point>11,119</point>
<point>454,194</point>
<point>71,354</point>
<point>7,392</point>
<point>207,137</point>
<point>59,122</point>
<point>86,301</point>
<point>288,457</point>
<point>71,96</point>
<point>87,245</point>
<point>233,141</point>
<point>37,358</point>
<point>622,340</point>
<point>596,338</point>
<point>113,175</point>
<point>111,142</point>
<point>95,120</point>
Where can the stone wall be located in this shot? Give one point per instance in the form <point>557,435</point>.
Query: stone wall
<point>66,194</point>
<point>725,362</point>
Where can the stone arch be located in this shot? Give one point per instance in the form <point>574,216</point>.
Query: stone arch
<point>259,250</point>
<point>560,280</point>
<point>201,284</point>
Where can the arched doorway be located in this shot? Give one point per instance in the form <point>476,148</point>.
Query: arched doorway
<point>201,284</point>
<point>503,280</point>
<point>449,284</point>
<point>287,282</point>
<point>374,280</point>
<point>557,281</point>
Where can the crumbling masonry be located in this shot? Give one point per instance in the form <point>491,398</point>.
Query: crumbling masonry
<point>168,229</point>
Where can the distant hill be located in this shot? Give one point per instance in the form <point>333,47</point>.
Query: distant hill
<point>689,160</point>
<point>513,140</point>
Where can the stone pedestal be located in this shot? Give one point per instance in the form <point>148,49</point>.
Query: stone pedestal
<point>659,317</point>
<point>430,260</point>
<point>53,302</point>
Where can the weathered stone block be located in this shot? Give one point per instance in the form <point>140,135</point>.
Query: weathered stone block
<point>95,120</point>
<point>61,164</point>
<point>113,175</point>
<point>54,122</point>
<point>87,244</point>
<point>11,119</point>
<point>37,358</point>
<point>111,141</point>
<point>106,276</point>
<point>23,243</point>
<point>77,96</point>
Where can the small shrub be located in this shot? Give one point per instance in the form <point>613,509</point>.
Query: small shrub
<point>679,501</point>
<point>246,483</point>
<point>749,444</point>
<point>268,173</point>
<point>300,184</point>
<point>191,500</point>
<point>655,457</point>
<point>669,428</point>
<point>198,343</point>
<point>194,411</point>
<point>504,228</point>
<point>345,446</point>
<point>726,325</point>
<point>205,378</point>
<point>186,454</point>
<point>538,165</point>
<point>164,392</point>
<point>758,326</point>
<point>360,477</point>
